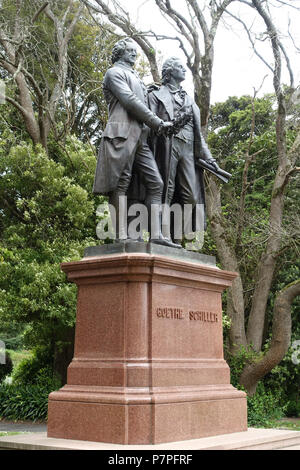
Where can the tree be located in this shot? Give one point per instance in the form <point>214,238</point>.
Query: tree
<point>47,209</point>
<point>25,39</point>
<point>265,271</point>
<point>120,18</point>
<point>84,110</point>
<point>280,342</point>
<point>222,235</point>
<point>246,205</point>
<point>199,62</point>
<point>47,218</point>
<point>190,27</point>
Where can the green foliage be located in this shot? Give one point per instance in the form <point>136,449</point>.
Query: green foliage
<point>13,341</point>
<point>268,402</point>
<point>226,323</point>
<point>30,370</point>
<point>285,380</point>
<point>25,402</point>
<point>26,398</point>
<point>88,51</point>
<point>89,55</point>
<point>264,407</point>
<point>233,145</point>
<point>40,197</point>
<point>237,362</point>
<point>48,217</point>
<point>277,395</point>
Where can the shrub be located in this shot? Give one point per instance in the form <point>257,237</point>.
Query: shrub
<point>27,397</point>
<point>29,370</point>
<point>267,403</point>
<point>15,343</point>
<point>293,406</point>
<point>264,407</point>
<point>25,402</point>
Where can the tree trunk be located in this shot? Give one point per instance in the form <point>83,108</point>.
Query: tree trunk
<point>235,299</point>
<point>267,263</point>
<point>24,103</point>
<point>281,337</point>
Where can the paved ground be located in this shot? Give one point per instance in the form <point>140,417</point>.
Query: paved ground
<point>253,439</point>
<point>40,441</point>
<point>22,426</point>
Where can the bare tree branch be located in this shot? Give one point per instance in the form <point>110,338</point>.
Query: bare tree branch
<point>14,103</point>
<point>124,23</point>
<point>251,40</point>
<point>288,4</point>
<point>40,10</point>
<point>14,61</point>
<point>267,264</point>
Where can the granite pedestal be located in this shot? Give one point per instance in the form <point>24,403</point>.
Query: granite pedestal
<point>148,365</point>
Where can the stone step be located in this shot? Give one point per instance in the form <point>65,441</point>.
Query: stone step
<point>253,439</point>
<point>290,448</point>
<point>269,443</point>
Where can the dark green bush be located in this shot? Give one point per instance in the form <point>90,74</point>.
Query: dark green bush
<point>293,406</point>
<point>13,343</point>
<point>268,402</point>
<point>29,370</point>
<point>264,407</point>
<point>25,402</point>
<point>27,397</point>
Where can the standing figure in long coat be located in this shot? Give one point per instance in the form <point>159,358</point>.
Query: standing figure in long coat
<point>177,156</point>
<point>125,139</point>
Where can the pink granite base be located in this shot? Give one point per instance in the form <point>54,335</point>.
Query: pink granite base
<point>148,365</point>
<point>152,423</point>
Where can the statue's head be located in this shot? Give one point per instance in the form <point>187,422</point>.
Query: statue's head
<point>125,48</point>
<point>173,67</point>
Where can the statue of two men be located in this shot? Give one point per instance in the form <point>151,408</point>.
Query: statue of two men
<point>138,142</point>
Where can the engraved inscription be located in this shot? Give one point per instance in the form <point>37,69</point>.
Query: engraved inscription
<point>170,313</point>
<point>203,316</point>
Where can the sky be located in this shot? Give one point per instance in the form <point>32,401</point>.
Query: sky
<point>237,70</point>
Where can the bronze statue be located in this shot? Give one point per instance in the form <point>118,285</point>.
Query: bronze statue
<point>181,158</point>
<point>124,141</point>
<point>127,169</point>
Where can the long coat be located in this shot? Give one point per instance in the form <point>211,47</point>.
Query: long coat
<point>128,110</point>
<point>160,102</point>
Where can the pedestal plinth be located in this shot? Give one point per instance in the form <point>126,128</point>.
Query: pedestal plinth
<point>148,365</point>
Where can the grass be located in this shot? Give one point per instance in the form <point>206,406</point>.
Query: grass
<point>291,424</point>
<point>19,355</point>
<point>285,423</point>
<point>9,433</point>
